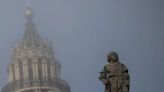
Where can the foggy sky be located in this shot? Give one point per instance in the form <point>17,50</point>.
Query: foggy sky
<point>85,31</point>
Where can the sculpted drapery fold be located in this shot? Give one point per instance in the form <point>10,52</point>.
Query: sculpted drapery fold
<point>115,75</point>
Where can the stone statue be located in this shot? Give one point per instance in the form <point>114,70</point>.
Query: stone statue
<point>115,75</point>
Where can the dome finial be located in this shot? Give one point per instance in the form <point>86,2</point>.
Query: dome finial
<point>29,12</point>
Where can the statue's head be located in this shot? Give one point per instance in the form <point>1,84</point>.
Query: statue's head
<point>113,57</point>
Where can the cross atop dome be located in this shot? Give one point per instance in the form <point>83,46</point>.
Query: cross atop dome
<point>28,3</point>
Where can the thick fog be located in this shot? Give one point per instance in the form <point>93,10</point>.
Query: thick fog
<point>83,32</point>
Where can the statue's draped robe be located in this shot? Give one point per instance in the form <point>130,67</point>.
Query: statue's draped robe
<point>118,78</point>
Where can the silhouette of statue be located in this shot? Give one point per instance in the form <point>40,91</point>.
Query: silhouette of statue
<point>115,75</point>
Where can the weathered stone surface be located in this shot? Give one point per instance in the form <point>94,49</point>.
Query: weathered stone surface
<point>115,75</point>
